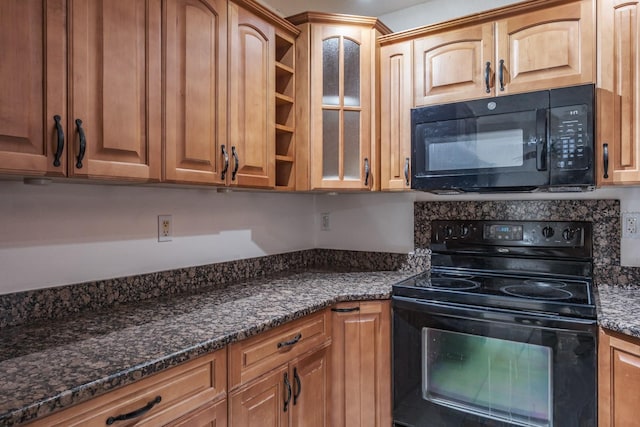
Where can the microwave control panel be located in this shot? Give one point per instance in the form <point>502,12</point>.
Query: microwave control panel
<point>570,143</point>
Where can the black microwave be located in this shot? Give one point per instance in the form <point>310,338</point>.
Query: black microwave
<point>531,141</point>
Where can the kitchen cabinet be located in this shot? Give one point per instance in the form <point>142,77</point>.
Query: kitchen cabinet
<point>618,103</point>
<point>337,96</point>
<point>195,81</point>
<point>361,364</point>
<point>534,46</point>
<point>281,377</point>
<point>618,379</point>
<point>396,101</point>
<point>112,129</point>
<point>251,106</point>
<point>31,96</point>
<point>192,394</point>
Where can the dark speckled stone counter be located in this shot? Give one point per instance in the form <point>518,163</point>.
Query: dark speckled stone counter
<point>50,365</point>
<point>618,309</point>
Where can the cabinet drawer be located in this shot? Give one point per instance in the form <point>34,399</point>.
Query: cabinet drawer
<point>181,390</point>
<point>253,357</point>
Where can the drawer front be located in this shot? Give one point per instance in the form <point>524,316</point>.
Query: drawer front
<point>180,390</point>
<point>255,356</point>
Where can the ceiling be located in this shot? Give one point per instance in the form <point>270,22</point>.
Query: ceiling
<point>352,7</point>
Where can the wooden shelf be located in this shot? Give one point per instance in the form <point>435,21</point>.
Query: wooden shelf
<point>285,112</point>
<point>283,99</point>
<point>283,128</point>
<point>282,68</point>
<point>285,159</point>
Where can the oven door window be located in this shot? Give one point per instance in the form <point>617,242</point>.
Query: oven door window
<point>495,378</point>
<point>504,141</point>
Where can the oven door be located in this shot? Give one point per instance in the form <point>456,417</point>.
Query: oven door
<point>485,144</point>
<point>456,365</point>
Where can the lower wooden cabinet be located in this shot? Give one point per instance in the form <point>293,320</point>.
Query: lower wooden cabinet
<point>361,364</point>
<point>618,379</point>
<point>295,394</point>
<point>192,394</point>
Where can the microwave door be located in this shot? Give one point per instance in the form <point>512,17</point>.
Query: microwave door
<point>498,151</point>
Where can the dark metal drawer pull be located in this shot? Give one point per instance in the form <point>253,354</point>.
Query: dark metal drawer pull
<point>236,164</point>
<point>501,74</point>
<point>367,171</point>
<point>291,342</point>
<point>296,377</point>
<point>346,310</point>
<point>487,76</point>
<point>136,413</point>
<point>223,174</point>
<point>605,160</point>
<point>407,161</point>
<point>287,384</point>
<point>83,144</point>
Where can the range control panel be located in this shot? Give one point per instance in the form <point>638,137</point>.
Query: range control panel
<point>542,234</point>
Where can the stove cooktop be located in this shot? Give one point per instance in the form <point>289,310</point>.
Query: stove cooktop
<point>552,295</point>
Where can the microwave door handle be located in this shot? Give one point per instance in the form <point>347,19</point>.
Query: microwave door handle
<point>541,145</point>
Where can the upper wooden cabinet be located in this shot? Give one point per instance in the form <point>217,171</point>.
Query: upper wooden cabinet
<point>195,121</point>
<point>396,95</point>
<point>618,109</point>
<point>251,106</point>
<point>535,46</point>
<point>112,128</point>
<point>618,379</point>
<point>115,89</point>
<point>336,93</point>
<point>33,83</point>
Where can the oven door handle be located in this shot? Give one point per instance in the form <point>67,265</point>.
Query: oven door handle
<point>476,313</point>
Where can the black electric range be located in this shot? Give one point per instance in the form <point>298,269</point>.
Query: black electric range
<point>538,266</point>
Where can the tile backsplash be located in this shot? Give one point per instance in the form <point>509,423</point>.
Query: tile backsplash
<point>603,214</point>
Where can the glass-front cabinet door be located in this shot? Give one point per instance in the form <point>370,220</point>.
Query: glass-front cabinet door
<point>336,125</point>
<point>341,100</point>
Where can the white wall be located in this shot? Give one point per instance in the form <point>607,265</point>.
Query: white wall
<point>435,11</point>
<point>69,233</point>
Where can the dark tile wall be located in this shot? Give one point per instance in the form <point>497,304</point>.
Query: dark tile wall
<point>603,214</point>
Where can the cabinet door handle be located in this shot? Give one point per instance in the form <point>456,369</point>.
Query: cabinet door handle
<point>487,77</point>
<point>225,155</point>
<point>60,147</point>
<point>605,159</point>
<point>501,74</point>
<point>345,310</point>
<point>287,385</point>
<point>291,342</point>
<point>135,414</point>
<point>367,172</point>
<point>83,144</point>
<point>236,164</point>
<point>298,390</point>
<point>406,171</point>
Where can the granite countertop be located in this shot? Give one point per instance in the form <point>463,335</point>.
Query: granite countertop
<point>51,365</point>
<point>618,309</point>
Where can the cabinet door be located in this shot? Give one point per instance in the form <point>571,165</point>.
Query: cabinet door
<point>618,379</point>
<point>251,95</point>
<point>196,89</point>
<point>395,116</point>
<point>311,390</point>
<point>261,404</point>
<point>341,97</point>
<point>454,65</point>
<point>552,47</point>
<point>32,85</point>
<point>209,415</point>
<point>618,88</point>
<point>361,365</point>
<point>115,89</point>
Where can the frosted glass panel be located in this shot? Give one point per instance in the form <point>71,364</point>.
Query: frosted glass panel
<point>351,73</point>
<point>352,145</point>
<point>331,71</point>
<point>498,379</point>
<point>330,144</point>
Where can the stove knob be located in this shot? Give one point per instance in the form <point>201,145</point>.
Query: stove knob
<point>547,232</point>
<point>448,231</point>
<point>568,234</point>
<point>464,230</point>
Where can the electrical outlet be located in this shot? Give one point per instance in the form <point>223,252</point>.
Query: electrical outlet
<point>165,228</point>
<point>631,225</point>
<point>325,225</point>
